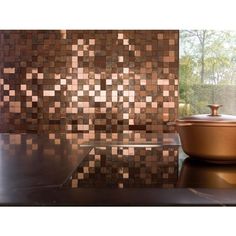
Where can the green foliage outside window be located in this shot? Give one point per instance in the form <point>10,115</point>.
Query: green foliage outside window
<point>207,71</point>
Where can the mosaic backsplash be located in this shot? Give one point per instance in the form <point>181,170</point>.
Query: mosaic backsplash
<point>125,167</point>
<point>104,82</point>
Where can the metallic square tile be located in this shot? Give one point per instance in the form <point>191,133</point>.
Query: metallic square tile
<point>82,81</point>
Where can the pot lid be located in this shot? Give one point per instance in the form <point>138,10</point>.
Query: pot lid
<point>209,118</point>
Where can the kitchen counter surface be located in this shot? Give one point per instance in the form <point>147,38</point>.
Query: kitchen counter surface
<point>61,169</point>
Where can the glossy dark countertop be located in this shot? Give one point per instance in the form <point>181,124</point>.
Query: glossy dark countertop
<point>62,169</point>
<point>28,160</point>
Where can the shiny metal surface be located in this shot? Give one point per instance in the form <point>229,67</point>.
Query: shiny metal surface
<point>209,143</point>
<point>198,174</point>
<point>210,139</point>
<point>214,109</point>
<point>214,118</point>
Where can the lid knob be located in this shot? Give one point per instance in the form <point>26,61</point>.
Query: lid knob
<point>214,109</point>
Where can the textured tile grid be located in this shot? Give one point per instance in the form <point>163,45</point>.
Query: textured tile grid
<point>124,167</point>
<point>98,83</point>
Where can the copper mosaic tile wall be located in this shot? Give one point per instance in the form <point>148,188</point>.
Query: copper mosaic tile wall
<point>125,167</point>
<point>104,82</point>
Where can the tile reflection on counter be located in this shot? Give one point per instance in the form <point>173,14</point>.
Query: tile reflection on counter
<point>125,167</point>
<point>131,137</point>
<point>30,145</point>
<point>30,160</point>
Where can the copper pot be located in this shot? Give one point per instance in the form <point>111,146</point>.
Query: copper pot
<point>209,137</point>
<point>198,174</point>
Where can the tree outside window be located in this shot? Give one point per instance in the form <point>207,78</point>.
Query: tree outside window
<point>207,71</point>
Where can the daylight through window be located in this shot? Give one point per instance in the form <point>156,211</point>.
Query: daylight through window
<point>207,71</point>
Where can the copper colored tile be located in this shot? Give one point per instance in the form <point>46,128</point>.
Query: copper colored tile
<point>99,84</point>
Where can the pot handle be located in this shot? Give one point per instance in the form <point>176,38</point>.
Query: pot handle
<point>214,109</point>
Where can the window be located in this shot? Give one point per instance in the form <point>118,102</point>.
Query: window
<point>207,71</point>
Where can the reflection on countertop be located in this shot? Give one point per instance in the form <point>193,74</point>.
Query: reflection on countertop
<point>128,166</point>
<point>149,167</point>
<point>64,169</point>
<point>127,162</point>
<point>136,139</point>
<point>30,160</point>
<point>198,174</point>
